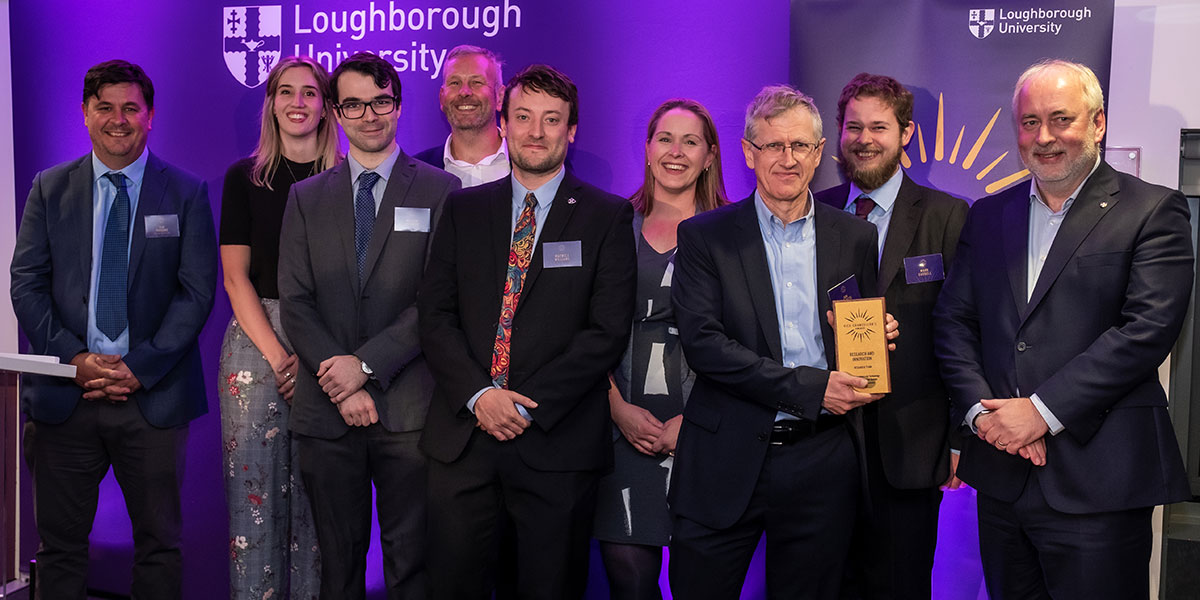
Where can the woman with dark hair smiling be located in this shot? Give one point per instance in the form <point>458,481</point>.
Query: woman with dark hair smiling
<point>272,542</point>
<point>649,389</point>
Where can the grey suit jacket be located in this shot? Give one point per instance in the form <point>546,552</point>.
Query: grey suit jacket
<point>325,312</point>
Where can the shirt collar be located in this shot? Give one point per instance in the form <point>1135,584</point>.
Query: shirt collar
<point>500,153</point>
<point>384,170</point>
<point>885,196</point>
<point>545,194</point>
<point>767,219</point>
<point>134,170</point>
<point>1036,196</point>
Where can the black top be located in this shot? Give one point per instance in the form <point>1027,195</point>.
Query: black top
<point>252,216</point>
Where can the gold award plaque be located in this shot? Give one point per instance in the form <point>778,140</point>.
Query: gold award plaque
<point>862,343</point>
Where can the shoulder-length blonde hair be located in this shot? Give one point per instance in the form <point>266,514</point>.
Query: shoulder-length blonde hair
<point>710,186</point>
<point>269,153</point>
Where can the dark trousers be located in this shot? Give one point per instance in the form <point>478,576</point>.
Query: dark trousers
<point>891,555</point>
<point>69,459</point>
<point>338,475</point>
<point>551,514</point>
<point>805,500</point>
<point>1031,551</point>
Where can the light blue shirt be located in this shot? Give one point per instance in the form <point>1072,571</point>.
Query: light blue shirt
<point>885,199</point>
<point>104,193</point>
<point>384,170</point>
<point>545,197</point>
<point>792,262</point>
<point>1043,228</point>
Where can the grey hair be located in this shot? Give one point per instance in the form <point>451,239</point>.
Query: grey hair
<point>774,100</point>
<point>1093,95</point>
<point>494,62</point>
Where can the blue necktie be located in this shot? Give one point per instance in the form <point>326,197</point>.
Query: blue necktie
<point>364,221</point>
<point>111,311</point>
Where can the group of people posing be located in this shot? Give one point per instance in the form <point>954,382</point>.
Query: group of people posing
<point>518,362</point>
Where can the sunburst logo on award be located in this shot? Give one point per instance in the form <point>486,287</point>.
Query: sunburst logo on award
<point>861,325</point>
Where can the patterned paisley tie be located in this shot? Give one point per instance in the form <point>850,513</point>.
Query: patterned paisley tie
<point>518,263</point>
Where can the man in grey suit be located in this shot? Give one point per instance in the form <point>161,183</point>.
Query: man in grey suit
<point>352,251</point>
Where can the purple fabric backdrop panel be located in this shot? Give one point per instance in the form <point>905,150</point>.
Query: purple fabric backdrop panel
<point>960,60</point>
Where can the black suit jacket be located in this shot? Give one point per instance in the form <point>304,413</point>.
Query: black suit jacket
<point>325,311</point>
<point>914,420</point>
<point>569,330</point>
<point>433,157</point>
<point>171,285</point>
<point>725,308</point>
<point>1106,310</point>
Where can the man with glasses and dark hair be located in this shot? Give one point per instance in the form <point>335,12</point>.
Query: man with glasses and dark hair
<point>525,308</point>
<point>352,250</point>
<point>114,271</point>
<point>769,434</point>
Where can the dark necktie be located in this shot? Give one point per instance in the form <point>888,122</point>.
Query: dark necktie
<point>863,206</point>
<point>111,310</point>
<point>518,264</point>
<point>364,221</point>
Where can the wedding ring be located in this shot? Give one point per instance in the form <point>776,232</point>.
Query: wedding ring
<point>1002,444</point>
<point>287,375</point>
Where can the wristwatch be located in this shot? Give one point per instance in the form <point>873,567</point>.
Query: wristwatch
<point>365,369</point>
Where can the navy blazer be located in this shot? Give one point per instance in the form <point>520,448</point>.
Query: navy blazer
<point>914,420</point>
<point>725,309</point>
<point>569,330</point>
<point>172,281</point>
<point>1106,309</point>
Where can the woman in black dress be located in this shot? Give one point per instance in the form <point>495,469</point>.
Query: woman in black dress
<point>649,389</point>
<point>272,542</point>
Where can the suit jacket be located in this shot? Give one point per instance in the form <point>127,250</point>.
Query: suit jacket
<point>433,157</point>
<point>171,283</point>
<point>324,310</point>
<point>1106,309</point>
<point>914,420</point>
<point>570,327</point>
<point>725,309</point>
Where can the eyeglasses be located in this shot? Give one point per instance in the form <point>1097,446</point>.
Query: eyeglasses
<point>355,109</point>
<point>775,149</point>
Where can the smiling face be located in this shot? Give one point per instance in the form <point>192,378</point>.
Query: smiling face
<point>871,142</point>
<point>118,122</point>
<point>677,152</point>
<point>372,137</point>
<point>1057,133</point>
<point>783,178</point>
<point>469,93</point>
<point>297,104</point>
<point>537,133</point>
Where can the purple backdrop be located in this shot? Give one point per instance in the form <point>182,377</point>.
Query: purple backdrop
<point>626,56</point>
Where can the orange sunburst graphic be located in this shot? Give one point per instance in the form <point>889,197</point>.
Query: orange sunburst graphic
<point>972,155</point>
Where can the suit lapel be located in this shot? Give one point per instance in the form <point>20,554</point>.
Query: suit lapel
<point>500,222</point>
<point>1083,216</point>
<point>338,214</point>
<point>906,216</point>
<point>394,194</point>
<point>560,213</point>
<point>80,186</point>
<point>154,188</point>
<point>1015,236</point>
<point>758,277</point>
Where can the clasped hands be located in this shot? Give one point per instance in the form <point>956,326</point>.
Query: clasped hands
<point>104,377</point>
<point>1015,426</point>
<point>496,413</point>
<point>341,377</point>
<point>840,395</point>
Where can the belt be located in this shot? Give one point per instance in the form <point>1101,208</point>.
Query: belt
<point>788,432</point>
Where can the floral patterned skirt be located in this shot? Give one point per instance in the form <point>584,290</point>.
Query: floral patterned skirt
<point>272,539</point>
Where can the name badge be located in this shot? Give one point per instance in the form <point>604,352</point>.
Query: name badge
<point>162,226</point>
<point>411,219</point>
<point>923,269</point>
<point>556,255</point>
<point>846,290</point>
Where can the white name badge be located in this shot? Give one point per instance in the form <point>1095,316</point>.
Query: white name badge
<point>556,255</point>
<point>411,219</point>
<point>162,226</point>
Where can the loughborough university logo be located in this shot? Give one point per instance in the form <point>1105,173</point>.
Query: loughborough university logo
<point>251,41</point>
<point>982,21</point>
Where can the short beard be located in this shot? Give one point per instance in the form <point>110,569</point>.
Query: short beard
<point>869,179</point>
<point>548,165</point>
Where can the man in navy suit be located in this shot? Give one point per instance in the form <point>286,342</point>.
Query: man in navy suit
<point>770,433</point>
<point>908,431</point>
<point>1066,295</point>
<point>114,271</point>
